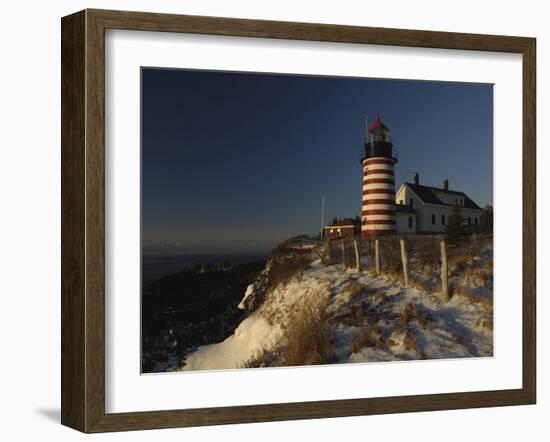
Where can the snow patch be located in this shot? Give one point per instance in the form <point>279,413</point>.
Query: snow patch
<point>254,335</point>
<point>247,294</point>
<point>411,322</point>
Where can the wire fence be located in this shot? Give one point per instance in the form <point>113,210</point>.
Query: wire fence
<point>409,259</point>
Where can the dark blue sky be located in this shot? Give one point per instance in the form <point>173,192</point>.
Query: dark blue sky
<point>235,163</point>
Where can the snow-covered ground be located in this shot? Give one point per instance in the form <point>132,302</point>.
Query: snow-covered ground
<point>370,319</point>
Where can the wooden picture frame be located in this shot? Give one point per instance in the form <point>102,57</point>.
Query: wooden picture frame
<point>83,220</point>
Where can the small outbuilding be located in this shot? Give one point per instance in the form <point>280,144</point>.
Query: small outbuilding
<point>344,228</point>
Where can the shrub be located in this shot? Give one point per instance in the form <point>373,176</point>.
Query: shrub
<point>455,229</point>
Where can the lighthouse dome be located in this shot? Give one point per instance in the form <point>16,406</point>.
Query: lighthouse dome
<point>378,142</point>
<point>377,125</point>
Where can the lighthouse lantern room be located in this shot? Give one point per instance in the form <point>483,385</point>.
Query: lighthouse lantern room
<point>378,159</point>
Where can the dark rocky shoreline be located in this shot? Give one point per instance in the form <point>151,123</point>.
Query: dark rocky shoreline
<point>196,306</point>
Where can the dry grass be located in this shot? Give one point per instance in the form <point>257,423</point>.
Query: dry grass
<point>420,285</point>
<point>412,312</point>
<point>390,256</point>
<point>353,316</point>
<point>408,313</point>
<point>286,264</point>
<point>367,338</point>
<point>381,297</point>
<point>260,359</point>
<point>485,323</point>
<point>358,313</point>
<point>460,263</point>
<point>410,342</point>
<point>308,335</point>
<point>350,291</point>
<point>485,301</point>
<point>426,253</point>
<point>391,275</point>
<point>478,276</point>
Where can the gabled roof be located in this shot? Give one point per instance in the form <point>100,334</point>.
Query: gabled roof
<point>428,196</point>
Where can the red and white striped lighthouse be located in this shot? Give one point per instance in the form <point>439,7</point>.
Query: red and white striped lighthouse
<point>378,159</point>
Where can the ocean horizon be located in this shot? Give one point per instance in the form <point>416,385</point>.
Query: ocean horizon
<point>156,266</point>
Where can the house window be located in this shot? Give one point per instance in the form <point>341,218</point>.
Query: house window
<point>442,220</point>
<point>475,221</point>
<point>433,218</point>
<point>411,202</point>
<point>331,230</point>
<point>469,221</point>
<point>410,222</point>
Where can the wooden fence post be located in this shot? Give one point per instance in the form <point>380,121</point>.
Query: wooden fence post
<point>444,271</point>
<point>405,263</point>
<point>344,252</point>
<point>377,256</point>
<point>357,257</point>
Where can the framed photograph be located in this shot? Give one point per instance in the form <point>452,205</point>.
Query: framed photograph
<point>267,220</point>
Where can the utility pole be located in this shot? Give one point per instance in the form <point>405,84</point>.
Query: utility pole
<point>322,216</point>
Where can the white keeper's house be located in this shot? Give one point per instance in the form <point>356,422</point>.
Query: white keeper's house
<point>426,209</point>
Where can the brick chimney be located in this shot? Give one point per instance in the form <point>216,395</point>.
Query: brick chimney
<point>416,178</point>
<point>446,185</point>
